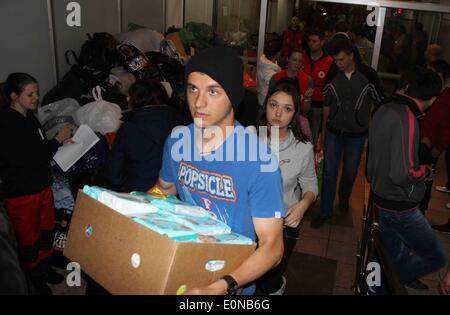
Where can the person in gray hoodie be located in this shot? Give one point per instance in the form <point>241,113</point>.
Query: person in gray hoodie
<point>398,181</point>
<point>296,158</point>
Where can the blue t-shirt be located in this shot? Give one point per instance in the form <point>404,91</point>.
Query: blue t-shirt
<point>238,181</point>
<point>235,183</point>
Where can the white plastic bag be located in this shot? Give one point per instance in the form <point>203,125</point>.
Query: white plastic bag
<point>100,116</point>
<point>54,115</point>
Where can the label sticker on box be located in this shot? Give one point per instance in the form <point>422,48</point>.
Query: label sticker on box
<point>215,265</point>
<point>89,230</point>
<point>135,260</point>
<point>182,289</point>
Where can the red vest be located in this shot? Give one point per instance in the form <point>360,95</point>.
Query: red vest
<point>291,39</point>
<point>318,71</point>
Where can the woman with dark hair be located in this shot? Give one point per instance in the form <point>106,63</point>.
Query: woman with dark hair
<point>147,92</point>
<point>25,156</point>
<point>136,155</point>
<point>296,158</point>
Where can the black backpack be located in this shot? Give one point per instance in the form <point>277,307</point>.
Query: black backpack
<point>77,83</point>
<point>99,52</point>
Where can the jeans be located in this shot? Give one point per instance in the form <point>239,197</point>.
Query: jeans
<point>403,231</point>
<point>315,122</point>
<point>335,146</point>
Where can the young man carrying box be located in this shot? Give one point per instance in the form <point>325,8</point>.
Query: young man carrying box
<point>217,164</point>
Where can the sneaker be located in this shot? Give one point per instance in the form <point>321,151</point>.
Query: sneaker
<point>444,228</point>
<point>447,205</point>
<point>417,285</point>
<point>38,283</point>
<point>280,291</point>
<point>443,189</point>
<point>53,277</point>
<point>48,273</point>
<point>320,220</point>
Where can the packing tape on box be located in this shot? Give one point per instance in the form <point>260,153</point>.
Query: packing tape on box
<point>215,265</point>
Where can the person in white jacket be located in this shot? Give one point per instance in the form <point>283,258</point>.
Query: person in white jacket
<point>267,67</point>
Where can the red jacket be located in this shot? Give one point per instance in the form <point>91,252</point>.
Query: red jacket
<point>436,123</point>
<point>318,71</point>
<point>302,78</point>
<point>291,39</point>
<point>304,83</point>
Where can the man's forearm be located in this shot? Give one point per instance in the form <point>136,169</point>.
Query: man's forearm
<point>308,198</point>
<point>267,256</point>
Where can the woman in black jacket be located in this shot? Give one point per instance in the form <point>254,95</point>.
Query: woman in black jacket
<point>25,155</point>
<point>136,155</point>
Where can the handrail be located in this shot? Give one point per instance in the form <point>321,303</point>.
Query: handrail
<point>370,242</point>
<point>393,280</point>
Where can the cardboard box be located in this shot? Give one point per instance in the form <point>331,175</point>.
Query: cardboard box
<point>125,257</point>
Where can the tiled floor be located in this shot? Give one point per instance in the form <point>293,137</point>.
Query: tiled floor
<point>309,274</point>
<point>337,243</point>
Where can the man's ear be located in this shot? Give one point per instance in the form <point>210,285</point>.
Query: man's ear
<point>13,96</point>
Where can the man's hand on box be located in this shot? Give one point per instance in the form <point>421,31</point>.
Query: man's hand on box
<point>164,187</point>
